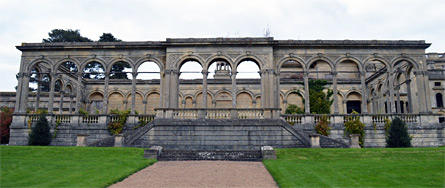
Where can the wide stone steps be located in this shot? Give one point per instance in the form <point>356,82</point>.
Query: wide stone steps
<point>195,155</point>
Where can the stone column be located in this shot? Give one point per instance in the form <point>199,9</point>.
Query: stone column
<point>144,102</point>
<point>306,93</point>
<point>410,100</point>
<point>39,80</point>
<point>78,91</point>
<point>204,88</point>
<point>364,92</point>
<point>334,83</point>
<point>51,93</point>
<point>391,93</point>
<point>61,102</point>
<point>24,92</point>
<point>399,108</point>
<point>234,88</point>
<point>133,93</point>
<point>71,104</point>
<point>174,91</point>
<point>428,105</point>
<point>421,91</point>
<point>19,91</point>
<point>107,79</point>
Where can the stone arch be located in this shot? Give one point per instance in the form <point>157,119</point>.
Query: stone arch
<point>294,97</point>
<point>215,58</point>
<point>244,99</point>
<point>64,60</point>
<point>40,60</point>
<point>315,59</point>
<point>257,99</point>
<point>95,101</point>
<point>352,59</point>
<point>152,101</point>
<point>223,99</point>
<point>61,83</point>
<point>252,58</point>
<point>379,59</point>
<point>439,99</point>
<point>139,97</point>
<point>289,58</point>
<point>116,101</point>
<point>128,74</point>
<point>198,99</point>
<point>411,61</point>
<point>89,60</point>
<point>116,60</point>
<point>188,99</point>
<point>353,101</point>
<point>140,61</point>
<point>185,58</point>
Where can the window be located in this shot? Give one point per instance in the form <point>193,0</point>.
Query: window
<point>439,100</point>
<point>437,83</point>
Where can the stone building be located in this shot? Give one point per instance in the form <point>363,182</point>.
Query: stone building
<point>232,78</point>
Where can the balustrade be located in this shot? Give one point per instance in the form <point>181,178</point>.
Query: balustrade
<point>250,114</point>
<point>218,114</point>
<point>146,118</point>
<point>63,118</point>
<point>90,119</point>
<point>294,119</point>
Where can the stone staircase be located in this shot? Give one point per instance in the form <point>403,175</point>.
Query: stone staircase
<point>195,155</point>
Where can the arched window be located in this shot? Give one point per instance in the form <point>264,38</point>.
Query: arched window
<point>439,100</point>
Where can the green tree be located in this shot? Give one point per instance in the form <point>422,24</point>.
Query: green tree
<point>319,101</point>
<point>108,37</point>
<point>294,109</point>
<point>69,35</point>
<point>40,133</point>
<point>398,135</point>
<point>117,70</point>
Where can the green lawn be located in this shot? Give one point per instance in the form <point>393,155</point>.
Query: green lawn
<point>411,167</point>
<point>31,166</point>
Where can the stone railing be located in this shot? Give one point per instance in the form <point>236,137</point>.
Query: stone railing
<point>300,119</point>
<point>218,113</point>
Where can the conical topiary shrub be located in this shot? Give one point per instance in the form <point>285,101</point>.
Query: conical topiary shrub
<point>40,134</point>
<point>398,136</point>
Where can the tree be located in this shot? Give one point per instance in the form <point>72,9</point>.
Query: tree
<point>319,101</point>
<point>40,133</point>
<point>69,35</point>
<point>398,135</point>
<point>117,70</point>
<point>294,109</point>
<point>108,37</point>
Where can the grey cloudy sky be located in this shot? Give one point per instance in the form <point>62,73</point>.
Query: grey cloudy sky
<point>154,20</point>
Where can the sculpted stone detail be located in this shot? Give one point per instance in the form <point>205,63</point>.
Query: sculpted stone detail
<point>205,56</point>
<point>233,56</point>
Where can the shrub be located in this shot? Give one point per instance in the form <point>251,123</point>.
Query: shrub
<point>294,109</point>
<point>322,127</point>
<point>117,126</point>
<point>5,119</point>
<point>40,133</point>
<point>398,135</point>
<point>355,126</point>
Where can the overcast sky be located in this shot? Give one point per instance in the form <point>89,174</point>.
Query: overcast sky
<point>155,20</point>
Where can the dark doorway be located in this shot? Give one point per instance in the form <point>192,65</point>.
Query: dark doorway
<point>353,105</point>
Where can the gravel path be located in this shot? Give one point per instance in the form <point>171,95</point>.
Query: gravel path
<point>200,174</point>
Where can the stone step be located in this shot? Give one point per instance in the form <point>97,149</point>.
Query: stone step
<point>195,155</point>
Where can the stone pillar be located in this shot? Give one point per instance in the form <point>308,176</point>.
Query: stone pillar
<point>24,92</point>
<point>204,88</point>
<point>174,91</point>
<point>82,140</point>
<point>410,99</point>
<point>61,102</point>
<point>364,92</point>
<point>19,91</point>
<point>133,93</point>
<point>144,102</point>
<point>306,93</point>
<point>354,141</point>
<point>388,104</point>
<point>234,88</point>
<point>391,93</point>
<point>427,95</point>
<point>334,83</point>
<point>78,91</point>
<point>71,104</point>
<point>39,80</point>
<point>51,93</point>
<point>399,108</point>
<point>315,140</point>
<point>345,109</point>
<point>107,79</point>
<point>421,92</point>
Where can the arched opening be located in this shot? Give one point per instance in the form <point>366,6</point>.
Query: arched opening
<point>219,69</point>
<point>244,100</point>
<point>295,98</point>
<point>148,70</point>
<point>190,70</point>
<point>190,77</point>
<point>121,70</point>
<point>94,71</point>
<point>199,101</point>
<point>348,70</point>
<point>96,104</point>
<point>248,69</point>
<point>439,100</point>
<point>353,102</point>
<point>39,87</point>
<point>116,101</point>
<point>139,105</point>
<point>320,70</point>
<point>152,102</point>
<point>223,100</point>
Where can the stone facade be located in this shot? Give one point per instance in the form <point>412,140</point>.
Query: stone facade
<point>376,78</point>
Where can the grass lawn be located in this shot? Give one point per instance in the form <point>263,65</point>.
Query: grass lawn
<point>33,166</point>
<point>410,167</point>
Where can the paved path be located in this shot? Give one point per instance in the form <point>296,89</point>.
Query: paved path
<point>201,174</point>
